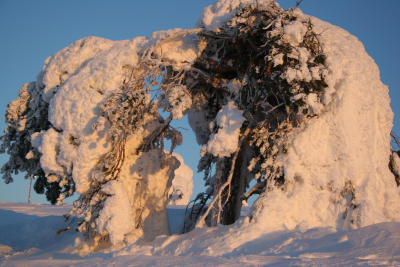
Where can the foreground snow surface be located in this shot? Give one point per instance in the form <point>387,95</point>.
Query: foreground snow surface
<point>28,238</point>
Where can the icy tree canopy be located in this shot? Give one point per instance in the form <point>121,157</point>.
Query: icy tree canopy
<point>285,106</point>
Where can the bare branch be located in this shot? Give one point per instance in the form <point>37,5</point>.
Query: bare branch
<point>395,138</point>
<point>258,188</point>
<point>298,3</point>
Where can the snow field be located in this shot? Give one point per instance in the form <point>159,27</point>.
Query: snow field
<point>28,238</point>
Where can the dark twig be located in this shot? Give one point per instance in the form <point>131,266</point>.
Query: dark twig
<point>298,3</point>
<point>395,138</point>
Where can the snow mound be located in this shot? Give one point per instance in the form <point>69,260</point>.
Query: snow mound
<point>336,165</point>
<point>80,77</point>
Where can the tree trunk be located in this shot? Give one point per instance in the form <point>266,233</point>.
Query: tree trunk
<point>231,211</point>
<point>30,189</point>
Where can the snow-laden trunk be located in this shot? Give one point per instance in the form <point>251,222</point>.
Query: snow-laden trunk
<point>134,204</point>
<point>147,178</point>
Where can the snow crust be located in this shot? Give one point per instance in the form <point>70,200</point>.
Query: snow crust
<point>294,32</point>
<point>177,46</point>
<point>145,179</point>
<point>336,168</point>
<point>77,79</point>
<point>66,62</point>
<point>92,68</point>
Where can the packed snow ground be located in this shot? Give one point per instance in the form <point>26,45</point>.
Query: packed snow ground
<point>28,238</point>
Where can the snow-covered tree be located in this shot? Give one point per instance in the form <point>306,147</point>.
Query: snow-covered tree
<point>90,124</point>
<point>260,75</point>
<point>287,100</point>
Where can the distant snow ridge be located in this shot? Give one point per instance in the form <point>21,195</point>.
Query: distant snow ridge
<point>182,184</point>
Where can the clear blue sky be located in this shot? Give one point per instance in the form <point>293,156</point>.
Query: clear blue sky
<point>30,31</point>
